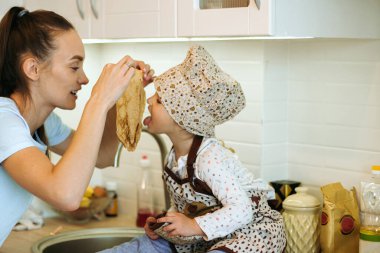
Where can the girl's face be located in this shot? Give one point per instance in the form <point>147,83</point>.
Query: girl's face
<point>62,75</point>
<point>159,120</point>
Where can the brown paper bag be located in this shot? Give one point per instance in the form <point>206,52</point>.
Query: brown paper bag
<point>340,220</point>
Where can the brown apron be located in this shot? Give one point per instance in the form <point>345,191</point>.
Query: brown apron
<point>265,233</point>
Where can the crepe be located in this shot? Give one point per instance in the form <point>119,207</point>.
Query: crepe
<point>130,108</point>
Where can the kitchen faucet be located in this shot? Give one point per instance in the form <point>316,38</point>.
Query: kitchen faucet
<point>163,152</point>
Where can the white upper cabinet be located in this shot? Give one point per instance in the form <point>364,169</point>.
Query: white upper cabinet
<point>283,18</point>
<point>242,21</point>
<point>107,19</point>
<point>98,19</point>
<point>138,19</point>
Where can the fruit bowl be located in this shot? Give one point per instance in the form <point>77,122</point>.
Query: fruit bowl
<point>84,214</point>
<point>93,204</point>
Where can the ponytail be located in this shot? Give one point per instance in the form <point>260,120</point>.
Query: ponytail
<point>5,30</point>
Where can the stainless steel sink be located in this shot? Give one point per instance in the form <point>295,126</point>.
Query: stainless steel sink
<point>86,241</point>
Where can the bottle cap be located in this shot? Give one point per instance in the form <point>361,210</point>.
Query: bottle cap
<point>375,169</point>
<point>301,199</point>
<point>144,161</point>
<point>111,186</point>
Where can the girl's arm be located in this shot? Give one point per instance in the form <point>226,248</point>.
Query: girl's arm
<point>218,171</point>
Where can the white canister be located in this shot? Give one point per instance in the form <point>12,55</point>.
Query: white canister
<point>302,215</point>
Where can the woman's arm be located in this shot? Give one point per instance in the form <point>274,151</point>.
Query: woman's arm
<point>110,142</point>
<point>63,184</point>
<point>108,146</point>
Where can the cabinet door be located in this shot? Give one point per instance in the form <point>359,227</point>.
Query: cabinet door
<point>245,21</point>
<point>138,19</point>
<point>76,11</point>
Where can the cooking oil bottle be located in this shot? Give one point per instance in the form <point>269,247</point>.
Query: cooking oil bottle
<point>370,213</point>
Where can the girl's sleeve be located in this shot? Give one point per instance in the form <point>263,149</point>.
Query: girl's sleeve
<point>214,168</point>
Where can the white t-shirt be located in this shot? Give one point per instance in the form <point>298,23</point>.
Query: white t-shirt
<point>14,136</point>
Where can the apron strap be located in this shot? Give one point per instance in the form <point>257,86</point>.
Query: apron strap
<point>197,184</point>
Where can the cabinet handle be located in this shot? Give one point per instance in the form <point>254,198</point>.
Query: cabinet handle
<point>258,4</point>
<point>80,10</point>
<point>93,9</point>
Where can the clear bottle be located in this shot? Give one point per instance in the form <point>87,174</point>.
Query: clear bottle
<point>145,201</point>
<point>370,213</point>
<point>112,209</point>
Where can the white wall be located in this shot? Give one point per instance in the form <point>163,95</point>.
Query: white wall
<point>333,110</point>
<point>5,5</point>
<point>312,115</point>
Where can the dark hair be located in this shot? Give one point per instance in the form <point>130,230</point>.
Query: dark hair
<point>23,32</point>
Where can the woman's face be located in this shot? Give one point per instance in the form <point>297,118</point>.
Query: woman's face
<point>62,75</point>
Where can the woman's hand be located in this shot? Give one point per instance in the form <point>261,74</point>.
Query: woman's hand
<point>113,81</point>
<point>115,78</point>
<point>149,232</point>
<point>180,225</point>
<point>148,72</point>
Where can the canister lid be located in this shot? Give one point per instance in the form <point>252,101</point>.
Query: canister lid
<point>301,199</point>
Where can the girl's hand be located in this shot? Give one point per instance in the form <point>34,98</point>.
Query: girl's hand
<point>150,233</point>
<point>180,225</point>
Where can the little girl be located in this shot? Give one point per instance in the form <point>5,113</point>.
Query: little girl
<point>201,173</point>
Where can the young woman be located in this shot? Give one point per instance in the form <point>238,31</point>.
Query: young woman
<point>41,68</point>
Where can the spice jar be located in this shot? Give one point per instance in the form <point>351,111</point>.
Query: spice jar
<point>302,213</point>
<point>112,209</point>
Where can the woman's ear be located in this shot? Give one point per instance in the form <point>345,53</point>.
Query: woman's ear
<point>31,68</point>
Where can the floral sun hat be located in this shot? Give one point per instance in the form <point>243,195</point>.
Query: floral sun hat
<point>198,94</point>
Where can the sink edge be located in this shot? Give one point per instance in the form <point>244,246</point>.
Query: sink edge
<point>47,241</point>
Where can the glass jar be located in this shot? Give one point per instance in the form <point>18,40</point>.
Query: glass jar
<point>112,209</point>
<point>302,214</point>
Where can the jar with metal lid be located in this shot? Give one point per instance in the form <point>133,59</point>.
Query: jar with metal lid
<point>302,214</point>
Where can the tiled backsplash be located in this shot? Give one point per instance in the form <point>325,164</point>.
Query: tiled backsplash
<point>312,115</point>
<point>333,110</point>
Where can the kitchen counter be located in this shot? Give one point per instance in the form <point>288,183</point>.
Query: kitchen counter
<point>22,241</point>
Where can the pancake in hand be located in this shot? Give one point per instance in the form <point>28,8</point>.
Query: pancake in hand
<point>130,108</point>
